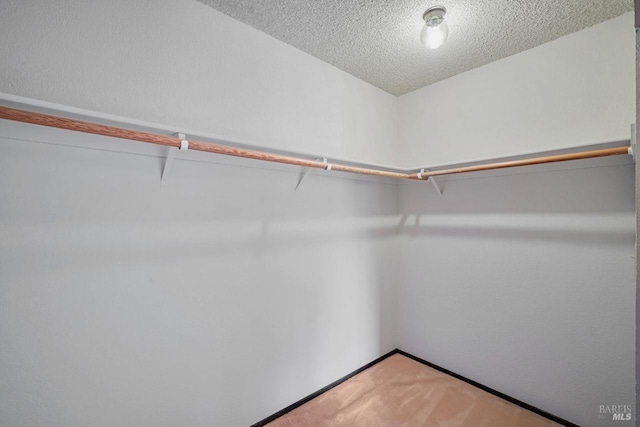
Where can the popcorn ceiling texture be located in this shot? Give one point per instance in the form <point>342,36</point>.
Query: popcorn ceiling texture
<point>378,40</point>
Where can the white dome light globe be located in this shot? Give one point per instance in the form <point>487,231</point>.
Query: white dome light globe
<point>435,30</point>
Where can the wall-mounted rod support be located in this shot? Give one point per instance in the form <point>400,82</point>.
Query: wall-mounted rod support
<point>169,141</point>
<point>168,163</point>
<point>302,177</point>
<point>306,172</point>
<point>436,186</point>
<point>423,174</point>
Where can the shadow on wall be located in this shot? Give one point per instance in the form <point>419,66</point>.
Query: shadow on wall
<point>599,188</point>
<point>575,229</point>
<point>583,206</point>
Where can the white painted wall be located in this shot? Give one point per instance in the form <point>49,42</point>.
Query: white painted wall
<point>573,91</point>
<point>526,283</point>
<point>218,299</point>
<point>179,62</point>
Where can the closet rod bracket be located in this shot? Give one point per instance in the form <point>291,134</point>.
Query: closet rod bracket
<point>306,171</point>
<point>433,181</point>
<point>168,163</point>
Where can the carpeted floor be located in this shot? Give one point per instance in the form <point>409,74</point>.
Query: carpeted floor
<point>399,391</point>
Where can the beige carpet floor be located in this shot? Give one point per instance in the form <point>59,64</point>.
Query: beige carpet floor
<point>400,392</point>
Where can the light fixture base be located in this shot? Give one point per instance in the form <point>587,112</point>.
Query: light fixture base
<point>434,12</point>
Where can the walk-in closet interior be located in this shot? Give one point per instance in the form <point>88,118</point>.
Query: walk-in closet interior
<point>317,213</point>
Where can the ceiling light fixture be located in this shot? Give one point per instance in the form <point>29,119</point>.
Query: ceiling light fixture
<point>435,29</point>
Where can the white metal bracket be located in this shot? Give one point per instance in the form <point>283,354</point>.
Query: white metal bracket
<point>307,170</point>
<point>433,181</point>
<point>632,144</point>
<point>168,163</point>
<point>302,177</point>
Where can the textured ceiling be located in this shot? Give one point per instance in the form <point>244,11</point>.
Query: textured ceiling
<point>378,41</point>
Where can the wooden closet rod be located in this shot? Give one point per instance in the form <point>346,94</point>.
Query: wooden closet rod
<point>526,162</point>
<point>169,141</point>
